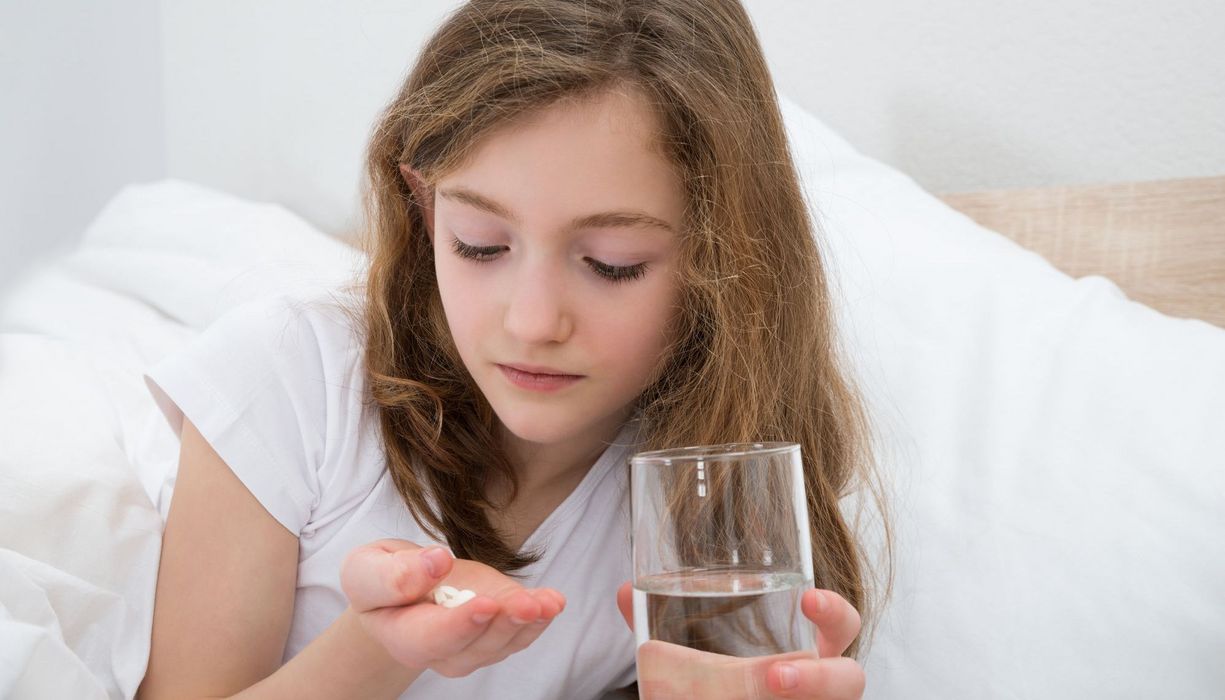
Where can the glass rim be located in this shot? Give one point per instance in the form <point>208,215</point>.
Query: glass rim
<point>727,450</point>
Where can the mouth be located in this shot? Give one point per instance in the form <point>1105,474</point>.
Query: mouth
<point>533,378</point>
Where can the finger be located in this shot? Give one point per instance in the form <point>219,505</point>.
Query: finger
<point>552,602</point>
<point>494,643</point>
<point>373,577</point>
<point>837,621</point>
<point>837,678</point>
<point>509,633</point>
<point>519,610</point>
<point>625,603</point>
<point>528,634</point>
<point>551,605</point>
<point>520,605</point>
<point>673,672</point>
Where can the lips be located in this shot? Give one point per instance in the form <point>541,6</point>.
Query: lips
<point>538,369</point>
<point>536,378</point>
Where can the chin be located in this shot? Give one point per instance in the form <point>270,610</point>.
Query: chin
<point>538,427</point>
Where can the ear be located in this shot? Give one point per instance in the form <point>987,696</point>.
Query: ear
<point>423,193</point>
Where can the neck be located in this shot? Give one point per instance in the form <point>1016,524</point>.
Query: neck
<point>542,467</point>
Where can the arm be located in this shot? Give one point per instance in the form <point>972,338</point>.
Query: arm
<point>225,594</point>
<point>343,662</point>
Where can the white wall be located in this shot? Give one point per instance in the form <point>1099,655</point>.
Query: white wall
<point>966,95</point>
<point>960,94</point>
<point>80,115</point>
<point>273,100</point>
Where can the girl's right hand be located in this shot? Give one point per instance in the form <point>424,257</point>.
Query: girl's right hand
<point>389,585</point>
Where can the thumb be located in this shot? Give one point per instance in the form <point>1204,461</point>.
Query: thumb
<point>625,603</point>
<point>392,573</point>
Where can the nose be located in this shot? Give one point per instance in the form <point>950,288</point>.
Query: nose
<point>537,310</point>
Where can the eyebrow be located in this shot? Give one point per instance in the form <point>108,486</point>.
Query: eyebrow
<point>606,219</point>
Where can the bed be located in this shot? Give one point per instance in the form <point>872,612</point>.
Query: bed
<point>1053,434</point>
<point>1162,242</point>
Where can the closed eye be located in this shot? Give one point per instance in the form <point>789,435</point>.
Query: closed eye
<point>472,252</point>
<point>612,273</point>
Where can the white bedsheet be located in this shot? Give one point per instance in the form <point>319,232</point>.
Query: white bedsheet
<point>1054,450</point>
<point>82,462</point>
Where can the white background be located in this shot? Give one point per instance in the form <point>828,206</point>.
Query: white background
<point>273,100</point>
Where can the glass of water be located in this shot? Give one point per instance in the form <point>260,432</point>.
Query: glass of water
<point>722,552</point>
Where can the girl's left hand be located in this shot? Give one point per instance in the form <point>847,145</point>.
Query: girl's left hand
<point>821,675</point>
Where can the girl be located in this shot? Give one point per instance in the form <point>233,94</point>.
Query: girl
<point>586,238</point>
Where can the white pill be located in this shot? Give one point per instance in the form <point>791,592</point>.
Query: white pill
<point>449,597</point>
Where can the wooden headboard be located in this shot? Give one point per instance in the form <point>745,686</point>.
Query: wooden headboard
<point>1162,242</point>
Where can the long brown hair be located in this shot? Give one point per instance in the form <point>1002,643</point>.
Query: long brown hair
<point>755,357</point>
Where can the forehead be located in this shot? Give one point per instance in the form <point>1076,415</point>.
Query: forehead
<point>575,157</point>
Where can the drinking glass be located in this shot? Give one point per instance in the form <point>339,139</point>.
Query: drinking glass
<point>722,551</point>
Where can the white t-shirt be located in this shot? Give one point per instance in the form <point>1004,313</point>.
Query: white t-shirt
<point>276,387</point>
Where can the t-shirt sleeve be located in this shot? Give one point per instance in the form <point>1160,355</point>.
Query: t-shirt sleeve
<point>253,384</point>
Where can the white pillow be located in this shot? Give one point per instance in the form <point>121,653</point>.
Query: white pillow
<point>86,461</point>
<point>1057,454</point>
<point>79,538</point>
<point>194,252</point>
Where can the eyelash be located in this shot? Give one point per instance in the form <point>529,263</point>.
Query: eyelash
<point>611,273</point>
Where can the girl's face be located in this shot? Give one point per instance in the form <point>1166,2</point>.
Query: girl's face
<point>554,249</point>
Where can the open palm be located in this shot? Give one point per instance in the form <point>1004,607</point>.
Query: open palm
<point>389,583</point>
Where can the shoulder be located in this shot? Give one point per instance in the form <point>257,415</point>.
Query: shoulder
<point>315,332</point>
<point>326,313</point>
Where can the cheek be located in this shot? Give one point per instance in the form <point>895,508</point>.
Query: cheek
<point>461,301</point>
<point>634,334</point>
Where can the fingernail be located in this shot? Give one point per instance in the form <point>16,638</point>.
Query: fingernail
<point>434,559</point>
<point>788,676</point>
<point>822,602</point>
<point>482,618</point>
